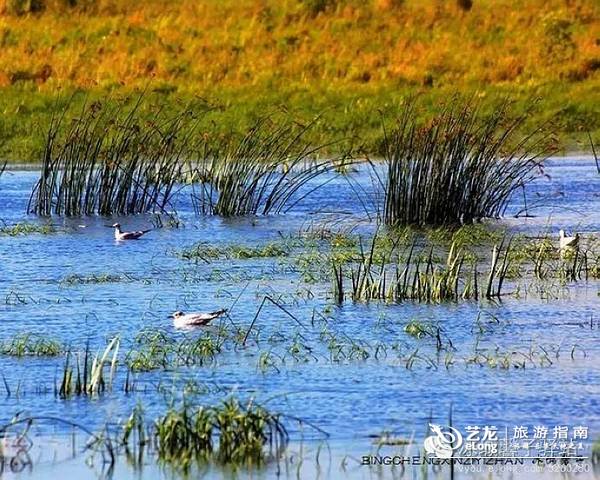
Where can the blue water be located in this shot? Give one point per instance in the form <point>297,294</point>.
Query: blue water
<point>351,400</point>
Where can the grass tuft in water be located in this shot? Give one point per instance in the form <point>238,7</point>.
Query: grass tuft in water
<point>86,375</point>
<point>394,274</point>
<point>458,168</point>
<point>76,279</point>
<point>260,173</point>
<point>28,344</point>
<point>205,252</point>
<point>154,350</point>
<point>112,160</point>
<point>229,434</point>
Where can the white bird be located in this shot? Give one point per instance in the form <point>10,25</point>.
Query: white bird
<point>119,235</point>
<point>567,243</point>
<point>195,319</point>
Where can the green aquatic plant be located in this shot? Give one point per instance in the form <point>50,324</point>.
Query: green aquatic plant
<point>386,281</point>
<point>459,167</point>
<point>418,329</point>
<point>135,436</point>
<point>203,251</point>
<point>198,351</point>
<point>229,434</point>
<point>26,228</point>
<point>86,376</point>
<point>96,278</point>
<point>111,160</point>
<point>184,436</point>
<point>464,237</point>
<point>29,344</point>
<point>397,273</point>
<point>154,350</point>
<point>262,172</point>
<point>268,360</point>
<point>541,258</point>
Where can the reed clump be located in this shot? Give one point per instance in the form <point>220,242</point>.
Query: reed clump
<point>458,168</point>
<point>111,159</point>
<point>398,274</point>
<point>263,172</point>
<point>228,434</point>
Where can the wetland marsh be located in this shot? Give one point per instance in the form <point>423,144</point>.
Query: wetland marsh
<point>342,372</point>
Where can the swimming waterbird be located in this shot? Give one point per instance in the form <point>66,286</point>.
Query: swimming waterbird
<point>195,319</point>
<point>119,235</point>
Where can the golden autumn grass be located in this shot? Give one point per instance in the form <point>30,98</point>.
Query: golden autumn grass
<point>351,58</point>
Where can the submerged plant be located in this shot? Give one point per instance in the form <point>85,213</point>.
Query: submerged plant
<point>77,279</point>
<point>418,329</point>
<point>459,168</point>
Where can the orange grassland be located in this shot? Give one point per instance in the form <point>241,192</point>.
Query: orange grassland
<point>352,56</point>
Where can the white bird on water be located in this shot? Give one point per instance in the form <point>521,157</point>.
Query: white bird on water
<point>567,243</point>
<point>195,319</point>
<point>119,235</point>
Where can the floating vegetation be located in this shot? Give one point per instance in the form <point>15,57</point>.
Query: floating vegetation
<point>418,329</point>
<point>205,252</point>
<point>261,173</point>
<point>343,348</point>
<point>77,279</point>
<point>29,344</point>
<point>26,228</point>
<point>154,349</point>
<point>111,160</point>
<point>458,168</point>
<point>504,359</point>
<point>466,236</point>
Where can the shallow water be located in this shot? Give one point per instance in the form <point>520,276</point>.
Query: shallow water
<point>350,400</point>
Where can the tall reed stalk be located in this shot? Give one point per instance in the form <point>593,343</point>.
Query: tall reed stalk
<point>111,160</point>
<point>458,168</point>
<point>262,172</point>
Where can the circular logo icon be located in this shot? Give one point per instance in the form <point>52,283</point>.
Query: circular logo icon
<point>443,442</point>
